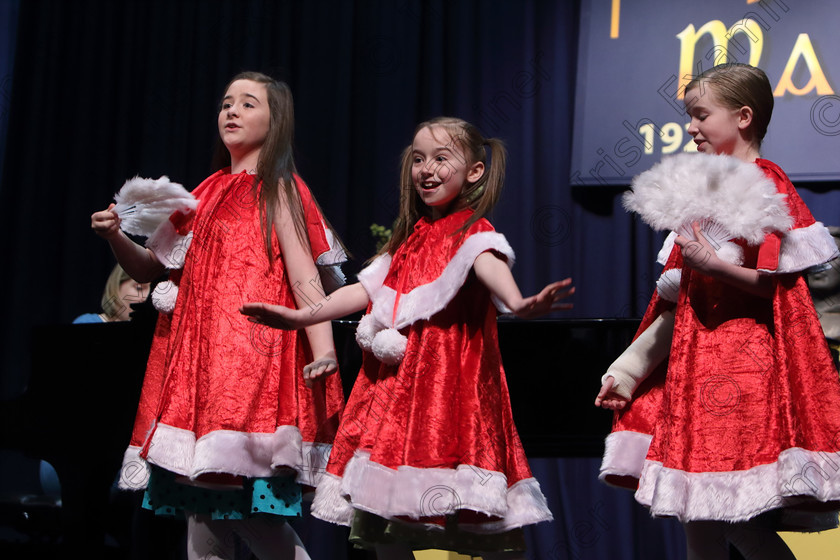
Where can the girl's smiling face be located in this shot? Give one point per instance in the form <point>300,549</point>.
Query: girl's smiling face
<point>440,169</point>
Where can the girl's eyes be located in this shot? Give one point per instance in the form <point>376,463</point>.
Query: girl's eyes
<point>437,158</point>
<point>248,105</point>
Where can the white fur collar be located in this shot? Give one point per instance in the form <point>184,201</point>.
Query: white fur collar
<point>424,301</point>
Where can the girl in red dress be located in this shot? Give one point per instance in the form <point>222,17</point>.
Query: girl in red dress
<point>427,455</point>
<point>231,419</point>
<point>727,402</point>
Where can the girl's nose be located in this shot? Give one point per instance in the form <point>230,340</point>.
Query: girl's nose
<point>692,128</point>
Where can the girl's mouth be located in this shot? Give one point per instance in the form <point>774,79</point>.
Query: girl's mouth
<point>427,186</point>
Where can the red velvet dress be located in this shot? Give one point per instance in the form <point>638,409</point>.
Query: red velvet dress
<point>222,394</point>
<point>433,436</point>
<point>745,416</point>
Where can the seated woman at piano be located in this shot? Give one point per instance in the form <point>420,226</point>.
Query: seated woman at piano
<point>120,292</point>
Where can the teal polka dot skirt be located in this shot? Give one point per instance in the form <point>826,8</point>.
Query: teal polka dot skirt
<point>279,495</point>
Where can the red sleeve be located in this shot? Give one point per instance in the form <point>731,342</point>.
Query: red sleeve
<point>315,226</point>
<point>768,252</point>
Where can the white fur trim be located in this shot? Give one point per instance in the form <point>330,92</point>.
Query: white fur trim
<point>731,252</point>
<point>684,188</point>
<point>335,254</point>
<point>144,204</point>
<point>667,247</point>
<point>164,296</point>
<point>373,275</point>
<point>668,285</point>
<point>134,474</point>
<point>624,454</point>
<point>424,301</point>
<point>169,246</point>
<point>797,476</point>
<point>389,346</point>
<point>422,492</point>
<point>420,303</point>
<point>238,453</point>
<point>806,247</point>
<point>329,504</point>
<point>366,331</point>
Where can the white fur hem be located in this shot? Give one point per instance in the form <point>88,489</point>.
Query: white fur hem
<point>329,503</point>
<point>624,454</point>
<point>797,476</point>
<point>238,453</point>
<point>424,492</point>
<point>424,301</point>
<point>134,474</point>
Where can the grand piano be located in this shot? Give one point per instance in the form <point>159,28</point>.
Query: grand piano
<point>85,380</point>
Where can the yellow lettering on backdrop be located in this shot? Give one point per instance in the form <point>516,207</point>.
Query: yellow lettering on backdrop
<point>614,19</point>
<point>805,50</point>
<point>719,53</point>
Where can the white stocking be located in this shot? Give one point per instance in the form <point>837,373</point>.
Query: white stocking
<point>208,539</point>
<point>268,538</point>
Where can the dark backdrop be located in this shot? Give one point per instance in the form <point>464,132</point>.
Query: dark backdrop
<point>106,90</point>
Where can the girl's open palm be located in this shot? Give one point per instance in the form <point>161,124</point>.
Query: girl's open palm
<point>607,399</point>
<point>275,316</point>
<point>546,301</point>
<point>322,367</point>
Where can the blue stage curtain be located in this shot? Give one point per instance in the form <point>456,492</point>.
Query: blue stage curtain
<point>8,37</point>
<point>594,521</point>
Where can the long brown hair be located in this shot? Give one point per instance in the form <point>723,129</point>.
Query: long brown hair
<point>481,196</point>
<point>276,166</point>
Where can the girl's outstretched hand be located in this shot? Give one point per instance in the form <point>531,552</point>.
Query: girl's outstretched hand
<point>275,316</point>
<point>546,301</point>
<point>105,223</point>
<point>607,399</point>
<point>322,367</point>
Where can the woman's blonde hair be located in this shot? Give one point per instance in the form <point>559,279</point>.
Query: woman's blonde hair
<point>111,303</point>
<point>481,196</point>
